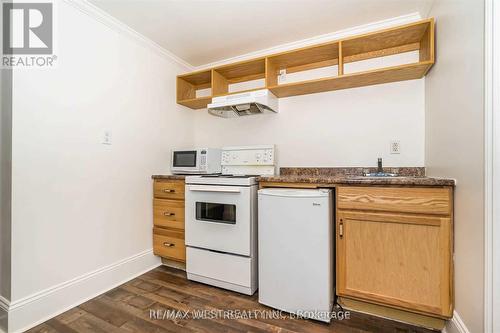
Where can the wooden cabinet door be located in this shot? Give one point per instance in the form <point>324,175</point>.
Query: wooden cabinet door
<point>399,260</point>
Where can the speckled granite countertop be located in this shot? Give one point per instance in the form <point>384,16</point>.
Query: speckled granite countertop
<point>169,177</point>
<point>354,176</point>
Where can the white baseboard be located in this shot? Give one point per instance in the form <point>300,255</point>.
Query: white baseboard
<point>37,308</point>
<point>4,303</point>
<point>4,309</point>
<point>456,325</point>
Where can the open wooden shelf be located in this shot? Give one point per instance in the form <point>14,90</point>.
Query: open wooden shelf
<point>418,36</point>
<point>376,76</point>
<point>196,103</point>
<point>302,59</point>
<point>188,84</point>
<point>238,72</point>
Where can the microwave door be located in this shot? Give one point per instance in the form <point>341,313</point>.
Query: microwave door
<point>184,159</point>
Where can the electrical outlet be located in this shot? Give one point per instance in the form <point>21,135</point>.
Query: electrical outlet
<point>107,138</point>
<point>395,147</point>
<point>282,76</point>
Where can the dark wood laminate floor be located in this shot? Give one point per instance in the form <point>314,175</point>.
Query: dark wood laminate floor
<point>127,309</point>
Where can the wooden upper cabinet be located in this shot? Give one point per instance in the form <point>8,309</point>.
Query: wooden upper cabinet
<point>418,36</point>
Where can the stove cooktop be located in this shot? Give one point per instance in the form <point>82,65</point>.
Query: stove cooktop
<point>243,180</point>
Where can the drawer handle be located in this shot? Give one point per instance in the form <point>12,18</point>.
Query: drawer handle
<point>168,214</point>
<point>168,244</point>
<point>166,190</point>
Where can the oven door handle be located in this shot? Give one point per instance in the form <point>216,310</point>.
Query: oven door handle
<point>220,189</point>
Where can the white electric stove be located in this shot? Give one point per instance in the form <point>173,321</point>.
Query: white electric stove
<point>221,220</point>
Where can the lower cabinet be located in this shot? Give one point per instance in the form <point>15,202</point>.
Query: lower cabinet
<point>168,219</point>
<point>394,258</point>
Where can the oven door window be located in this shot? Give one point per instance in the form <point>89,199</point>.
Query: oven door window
<point>185,159</point>
<point>216,212</point>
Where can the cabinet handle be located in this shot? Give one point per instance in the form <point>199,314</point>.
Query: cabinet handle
<point>168,244</point>
<point>166,190</point>
<point>341,229</point>
<point>168,214</point>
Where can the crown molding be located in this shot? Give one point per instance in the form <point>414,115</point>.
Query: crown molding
<point>360,29</point>
<point>101,16</point>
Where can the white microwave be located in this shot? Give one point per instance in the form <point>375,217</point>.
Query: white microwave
<point>196,161</point>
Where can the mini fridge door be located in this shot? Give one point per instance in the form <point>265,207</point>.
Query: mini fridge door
<point>295,230</point>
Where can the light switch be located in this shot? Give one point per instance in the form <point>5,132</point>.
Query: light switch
<point>107,138</point>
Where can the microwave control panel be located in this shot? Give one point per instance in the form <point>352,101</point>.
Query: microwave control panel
<point>254,160</point>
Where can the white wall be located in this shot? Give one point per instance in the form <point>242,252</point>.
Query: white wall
<point>351,127</point>
<point>79,205</point>
<point>454,141</point>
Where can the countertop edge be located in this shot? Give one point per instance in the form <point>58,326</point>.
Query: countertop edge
<point>171,177</point>
<point>343,180</point>
<point>360,180</point>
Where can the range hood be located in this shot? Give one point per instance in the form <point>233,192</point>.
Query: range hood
<point>244,104</point>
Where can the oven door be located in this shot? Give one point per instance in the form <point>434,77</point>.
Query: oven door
<point>220,217</point>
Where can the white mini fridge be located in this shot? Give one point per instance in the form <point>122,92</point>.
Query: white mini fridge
<point>296,258</point>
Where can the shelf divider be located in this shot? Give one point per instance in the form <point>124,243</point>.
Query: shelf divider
<point>220,85</point>
<point>341,60</point>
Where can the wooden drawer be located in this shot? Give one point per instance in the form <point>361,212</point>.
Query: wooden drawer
<point>169,189</point>
<point>396,199</point>
<point>168,213</point>
<point>169,244</point>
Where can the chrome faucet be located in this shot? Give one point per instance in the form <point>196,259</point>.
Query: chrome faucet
<point>380,171</point>
<point>379,165</point>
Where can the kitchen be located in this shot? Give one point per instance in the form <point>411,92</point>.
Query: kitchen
<point>368,124</point>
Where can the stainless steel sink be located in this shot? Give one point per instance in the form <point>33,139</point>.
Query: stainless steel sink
<point>380,174</point>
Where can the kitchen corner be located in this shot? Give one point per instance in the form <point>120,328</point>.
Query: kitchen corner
<point>302,166</point>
